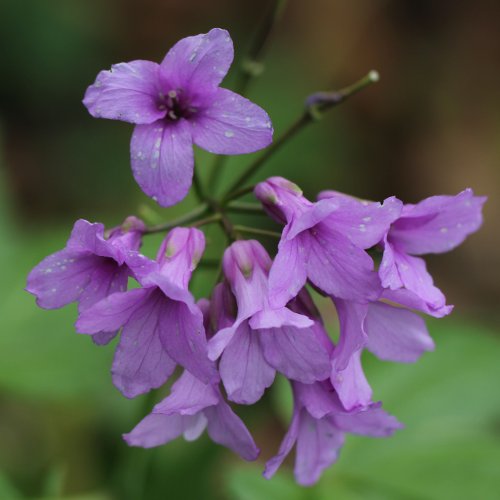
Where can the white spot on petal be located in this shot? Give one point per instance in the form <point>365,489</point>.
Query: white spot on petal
<point>229,133</point>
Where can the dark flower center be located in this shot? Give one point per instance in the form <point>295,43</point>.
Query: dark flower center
<point>176,104</point>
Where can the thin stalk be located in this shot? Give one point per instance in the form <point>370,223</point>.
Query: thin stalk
<point>188,218</point>
<point>250,68</point>
<point>207,220</point>
<point>256,231</point>
<point>314,110</point>
<point>241,207</point>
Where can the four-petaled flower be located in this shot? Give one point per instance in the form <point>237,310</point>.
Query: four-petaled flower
<point>177,103</point>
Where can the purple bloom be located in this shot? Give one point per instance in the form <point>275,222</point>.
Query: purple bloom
<point>324,242</point>
<point>255,340</point>
<point>191,407</point>
<point>177,103</point>
<point>319,424</point>
<point>88,269</point>
<point>162,325</point>
<point>435,225</point>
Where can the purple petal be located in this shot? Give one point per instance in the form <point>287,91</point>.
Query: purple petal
<point>319,399</point>
<point>127,92</point>
<point>182,335</point>
<point>399,270</point>
<point>231,125</point>
<point>111,313</point>
<point>140,362</point>
<point>243,369</point>
<point>296,353</point>
<point>188,396</point>
<point>226,428</point>
<point>61,278</point>
<point>162,160</point>
<point>198,63</point>
<point>318,446</point>
<point>352,333</point>
<point>439,223</point>
<point>285,284</point>
<point>275,318</point>
<point>373,422</point>
<point>413,301</point>
<point>339,268</point>
<point>351,384</point>
<point>155,429</point>
<point>103,338</point>
<point>395,334</point>
<point>365,224</point>
<point>106,279</point>
<point>286,446</point>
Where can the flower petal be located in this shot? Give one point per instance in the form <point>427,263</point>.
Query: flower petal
<point>231,125</point>
<point>155,429</point>
<point>127,92</point>
<point>182,335</point>
<point>141,363</point>
<point>198,63</point>
<point>439,223</point>
<point>399,270</point>
<point>243,369</point>
<point>396,334</point>
<point>296,353</point>
<point>61,278</point>
<point>288,272</point>
<point>373,422</point>
<point>226,428</point>
<point>340,268</point>
<point>162,160</point>
<point>413,301</point>
<point>286,446</point>
<point>318,446</point>
<point>188,396</point>
<point>365,224</point>
<point>351,385</point>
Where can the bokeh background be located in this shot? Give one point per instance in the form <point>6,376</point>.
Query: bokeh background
<point>431,126</point>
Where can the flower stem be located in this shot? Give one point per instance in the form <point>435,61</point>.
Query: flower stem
<point>250,68</point>
<point>184,219</point>
<point>256,231</point>
<point>316,106</point>
<point>241,207</point>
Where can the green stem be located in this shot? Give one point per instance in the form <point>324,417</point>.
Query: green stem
<point>198,188</point>
<point>207,220</point>
<point>256,231</point>
<point>180,221</point>
<point>313,112</point>
<point>250,68</point>
<point>241,207</point>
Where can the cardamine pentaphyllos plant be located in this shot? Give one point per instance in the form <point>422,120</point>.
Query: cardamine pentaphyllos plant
<point>260,318</point>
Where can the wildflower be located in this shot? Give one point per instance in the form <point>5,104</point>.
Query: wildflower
<point>88,269</point>
<point>318,427</point>
<point>256,341</point>
<point>323,242</point>
<point>162,325</point>
<point>191,407</point>
<point>435,225</point>
<point>177,103</point>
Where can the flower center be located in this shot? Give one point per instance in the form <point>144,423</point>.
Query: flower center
<point>176,104</point>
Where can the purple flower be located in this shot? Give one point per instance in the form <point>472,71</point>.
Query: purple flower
<point>162,325</point>
<point>191,407</point>
<point>177,103</point>
<point>319,424</point>
<point>391,333</point>
<point>255,340</point>
<point>88,269</point>
<point>324,242</point>
<point>435,225</point>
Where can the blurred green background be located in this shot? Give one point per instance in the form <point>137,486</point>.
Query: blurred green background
<point>432,125</point>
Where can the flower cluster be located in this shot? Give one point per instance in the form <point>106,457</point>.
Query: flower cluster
<point>260,319</point>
